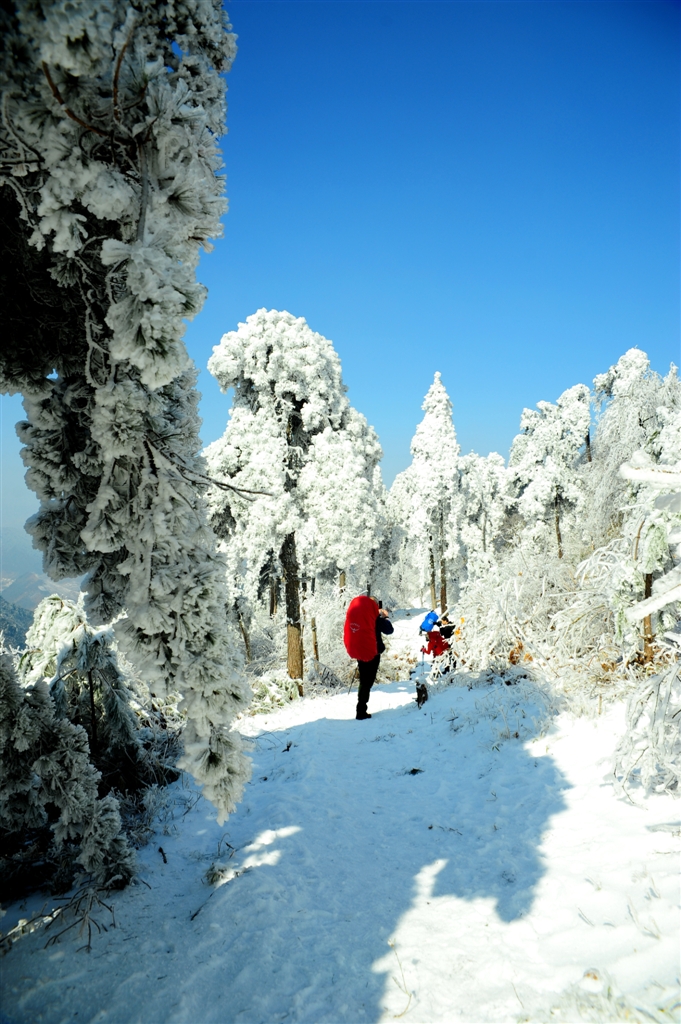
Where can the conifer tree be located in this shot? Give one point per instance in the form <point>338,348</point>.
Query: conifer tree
<point>109,188</point>
<point>45,767</point>
<point>305,455</point>
<point>426,494</point>
<point>86,686</point>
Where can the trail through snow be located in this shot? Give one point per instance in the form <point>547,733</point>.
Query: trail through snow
<point>425,865</point>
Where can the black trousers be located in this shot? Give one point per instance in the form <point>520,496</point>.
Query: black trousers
<point>367,678</point>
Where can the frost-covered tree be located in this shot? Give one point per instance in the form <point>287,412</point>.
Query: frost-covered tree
<point>484,500</point>
<point>425,497</point>
<point>86,686</point>
<point>629,396</point>
<point>585,617</point>
<point>304,460</point>
<point>48,787</point>
<point>656,548</point>
<point>109,188</point>
<point>543,458</point>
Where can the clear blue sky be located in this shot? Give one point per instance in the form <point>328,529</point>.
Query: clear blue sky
<point>486,189</point>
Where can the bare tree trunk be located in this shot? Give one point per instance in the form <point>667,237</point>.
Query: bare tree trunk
<point>341,580</point>
<point>647,622</point>
<point>289,565</point>
<point>588,446</point>
<point>433,597</point>
<point>244,633</point>
<point>273,596</point>
<point>484,531</point>
<point>443,566</point>
<point>557,515</point>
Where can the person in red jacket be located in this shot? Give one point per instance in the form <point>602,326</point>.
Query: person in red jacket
<point>365,625</point>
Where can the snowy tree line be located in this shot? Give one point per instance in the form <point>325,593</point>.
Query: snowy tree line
<point>557,552</point>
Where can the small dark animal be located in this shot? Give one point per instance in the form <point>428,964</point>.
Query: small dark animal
<point>421,694</point>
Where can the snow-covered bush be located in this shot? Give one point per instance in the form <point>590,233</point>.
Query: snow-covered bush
<point>110,115</point>
<point>649,753</point>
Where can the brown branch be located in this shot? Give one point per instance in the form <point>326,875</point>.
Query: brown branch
<point>117,72</point>
<point>204,477</point>
<point>69,113</point>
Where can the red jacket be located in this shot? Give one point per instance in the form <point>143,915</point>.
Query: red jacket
<point>436,644</point>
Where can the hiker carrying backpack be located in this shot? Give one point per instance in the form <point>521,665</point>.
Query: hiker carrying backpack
<point>430,620</point>
<point>365,624</point>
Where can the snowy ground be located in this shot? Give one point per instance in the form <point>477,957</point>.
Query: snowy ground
<point>422,866</point>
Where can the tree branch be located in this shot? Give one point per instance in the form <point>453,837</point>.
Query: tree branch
<point>69,113</point>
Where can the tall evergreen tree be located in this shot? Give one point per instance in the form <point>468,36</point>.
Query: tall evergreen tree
<point>109,180</point>
<point>307,456</point>
<point>426,496</point>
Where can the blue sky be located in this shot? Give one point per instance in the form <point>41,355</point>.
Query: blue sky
<point>486,189</point>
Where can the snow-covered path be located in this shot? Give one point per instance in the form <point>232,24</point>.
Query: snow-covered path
<point>425,865</point>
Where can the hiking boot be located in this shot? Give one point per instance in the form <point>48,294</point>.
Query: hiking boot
<point>361,715</point>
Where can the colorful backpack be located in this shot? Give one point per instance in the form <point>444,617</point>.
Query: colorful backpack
<point>429,621</point>
<point>359,635</point>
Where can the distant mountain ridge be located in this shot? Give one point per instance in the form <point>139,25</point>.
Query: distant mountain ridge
<point>29,590</point>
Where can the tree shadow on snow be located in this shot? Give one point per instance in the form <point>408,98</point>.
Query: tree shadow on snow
<point>333,837</point>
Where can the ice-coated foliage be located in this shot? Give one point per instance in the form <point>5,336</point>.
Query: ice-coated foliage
<point>649,753</point>
<point>109,188</point>
<point>483,505</point>
<point>543,457</point>
<point>560,548</point>
<point>424,502</point>
<point>86,686</point>
<point>44,763</point>
<point>293,435</point>
<point>630,396</point>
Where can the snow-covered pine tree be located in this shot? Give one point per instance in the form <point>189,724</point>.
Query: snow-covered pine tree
<point>293,437</point>
<point>544,455</point>
<point>426,498</point>
<point>87,687</point>
<point>45,767</point>
<point>109,180</point>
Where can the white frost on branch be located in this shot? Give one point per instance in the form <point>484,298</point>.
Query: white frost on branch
<point>111,115</point>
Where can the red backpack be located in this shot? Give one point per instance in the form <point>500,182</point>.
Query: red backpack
<point>359,635</point>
